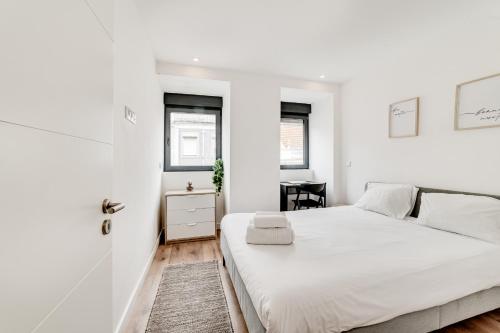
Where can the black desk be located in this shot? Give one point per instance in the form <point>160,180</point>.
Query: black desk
<point>287,188</point>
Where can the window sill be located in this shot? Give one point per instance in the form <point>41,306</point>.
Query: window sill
<point>188,168</point>
<point>294,167</point>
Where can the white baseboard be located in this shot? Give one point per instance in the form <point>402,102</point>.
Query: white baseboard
<point>138,285</point>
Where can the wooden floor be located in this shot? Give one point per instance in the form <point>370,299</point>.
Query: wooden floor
<point>209,250</point>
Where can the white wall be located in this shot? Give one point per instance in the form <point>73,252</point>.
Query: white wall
<point>253,182</point>
<point>138,154</point>
<point>321,144</point>
<point>429,67</point>
<point>255,152</point>
<point>296,174</point>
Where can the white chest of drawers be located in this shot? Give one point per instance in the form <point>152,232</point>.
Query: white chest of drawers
<point>190,215</point>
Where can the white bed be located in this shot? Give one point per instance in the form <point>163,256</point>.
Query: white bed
<point>351,268</point>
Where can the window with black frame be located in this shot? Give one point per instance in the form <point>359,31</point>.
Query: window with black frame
<point>192,132</point>
<point>294,135</point>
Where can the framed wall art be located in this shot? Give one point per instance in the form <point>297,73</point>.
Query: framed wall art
<point>403,118</point>
<point>477,103</point>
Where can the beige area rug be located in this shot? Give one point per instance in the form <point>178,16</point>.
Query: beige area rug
<point>190,299</point>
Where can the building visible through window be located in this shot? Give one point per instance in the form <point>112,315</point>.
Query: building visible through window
<point>192,139</point>
<point>292,141</point>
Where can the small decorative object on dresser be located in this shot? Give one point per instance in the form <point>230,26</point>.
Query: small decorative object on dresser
<point>403,118</point>
<point>189,187</point>
<point>477,103</point>
<point>190,215</point>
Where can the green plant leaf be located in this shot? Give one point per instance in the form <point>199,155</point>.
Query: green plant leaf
<point>218,177</point>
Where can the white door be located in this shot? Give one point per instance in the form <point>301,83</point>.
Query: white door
<point>56,94</point>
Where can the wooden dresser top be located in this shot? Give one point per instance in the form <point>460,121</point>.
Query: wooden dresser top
<point>193,192</point>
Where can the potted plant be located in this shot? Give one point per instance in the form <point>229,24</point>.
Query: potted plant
<point>218,176</point>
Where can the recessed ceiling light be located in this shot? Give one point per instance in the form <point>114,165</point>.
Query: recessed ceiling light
<point>196,59</point>
<point>322,76</point>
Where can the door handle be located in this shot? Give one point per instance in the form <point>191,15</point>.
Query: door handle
<point>109,207</point>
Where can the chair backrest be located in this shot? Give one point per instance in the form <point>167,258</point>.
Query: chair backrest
<point>314,188</point>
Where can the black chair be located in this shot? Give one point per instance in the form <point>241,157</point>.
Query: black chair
<point>318,190</point>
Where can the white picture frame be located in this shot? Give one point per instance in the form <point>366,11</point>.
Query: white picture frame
<point>404,118</point>
<point>477,103</point>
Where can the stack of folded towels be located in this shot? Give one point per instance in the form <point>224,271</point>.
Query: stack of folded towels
<point>270,228</point>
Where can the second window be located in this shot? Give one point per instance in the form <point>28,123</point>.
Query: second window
<point>294,135</point>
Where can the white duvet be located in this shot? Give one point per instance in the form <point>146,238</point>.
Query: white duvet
<point>350,268</point>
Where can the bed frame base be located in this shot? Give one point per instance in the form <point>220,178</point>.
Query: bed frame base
<point>416,322</point>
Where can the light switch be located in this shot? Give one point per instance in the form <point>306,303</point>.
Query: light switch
<point>348,164</point>
<point>130,115</point>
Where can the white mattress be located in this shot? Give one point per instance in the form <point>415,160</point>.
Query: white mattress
<point>350,268</point>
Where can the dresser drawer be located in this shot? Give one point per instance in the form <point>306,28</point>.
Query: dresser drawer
<point>186,216</point>
<point>191,230</point>
<point>190,201</point>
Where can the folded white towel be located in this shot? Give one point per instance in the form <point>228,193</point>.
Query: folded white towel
<point>270,236</point>
<point>270,220</point>
<point>263,212</point>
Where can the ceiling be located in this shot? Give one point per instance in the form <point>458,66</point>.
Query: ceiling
<point>298,38</point>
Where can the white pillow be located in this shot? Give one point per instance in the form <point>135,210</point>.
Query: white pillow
<point>393,201</point>
<point>413,195</point>
<point>468,215</point>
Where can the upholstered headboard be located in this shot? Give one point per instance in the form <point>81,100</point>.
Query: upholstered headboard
<point>421,190</point>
